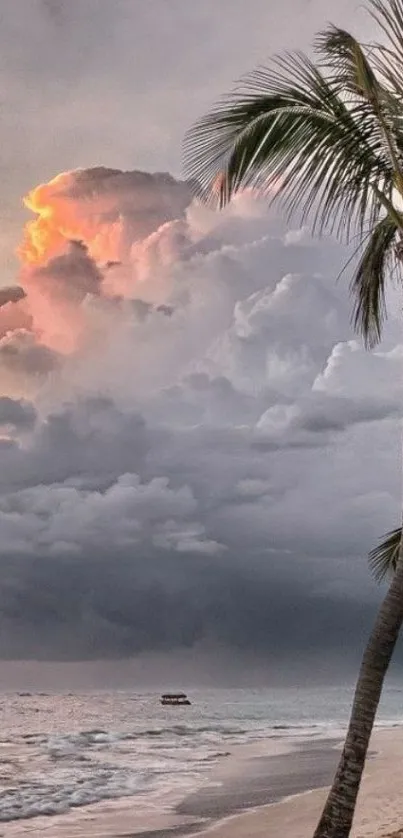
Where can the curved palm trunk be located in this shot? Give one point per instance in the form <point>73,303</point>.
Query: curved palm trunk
<point>338,813</point>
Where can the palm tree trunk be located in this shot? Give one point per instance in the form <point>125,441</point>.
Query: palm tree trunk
<point>337,816</point>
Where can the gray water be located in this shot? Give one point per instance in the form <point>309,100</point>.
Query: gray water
<point>60,752</point>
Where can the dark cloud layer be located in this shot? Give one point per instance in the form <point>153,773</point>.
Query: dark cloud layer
<point>196,451</point>
<point>120,608</point>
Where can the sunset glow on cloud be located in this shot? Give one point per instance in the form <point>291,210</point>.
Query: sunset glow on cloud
<point>105,208</point>
<point>88,239</point>
<point>46,235</point>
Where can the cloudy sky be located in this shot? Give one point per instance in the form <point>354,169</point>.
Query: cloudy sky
<point>196,452</point>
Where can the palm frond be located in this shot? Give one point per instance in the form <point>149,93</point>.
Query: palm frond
<point>369,280</point>
<point>353,75</point>
<point>383,558</point>
<point>288,131</point>
<point>347,62</point>
<point>387,59</point>
<point>389,17</point>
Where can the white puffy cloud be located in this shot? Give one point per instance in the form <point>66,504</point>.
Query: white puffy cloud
<point>352,372</point>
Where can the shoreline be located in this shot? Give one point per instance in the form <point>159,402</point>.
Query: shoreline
<point>253,779</point>
<point>250,777</point>
<point>229,810</point>
<point>379,812</point>
<point>275,787</point>
<point>251,782</point>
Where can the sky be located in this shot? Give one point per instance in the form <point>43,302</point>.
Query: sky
<point>196,452</point>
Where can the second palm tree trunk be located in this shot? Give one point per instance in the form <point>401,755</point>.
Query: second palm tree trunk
<point>338,813</point>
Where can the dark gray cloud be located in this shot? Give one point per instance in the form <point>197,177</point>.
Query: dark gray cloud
<point>224,469</point>
<point>140,604</point>
<point>89,443</point>
<point>11,294</point>
<point>96,554</point>
<point>17,414</point>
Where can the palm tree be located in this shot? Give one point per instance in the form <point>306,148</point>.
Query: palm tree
<point>326,140</point>
<point>383,559</point>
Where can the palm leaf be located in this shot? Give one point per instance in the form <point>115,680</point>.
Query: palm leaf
<point>353,76</point>
<point>383,558</point>
<point>369,280</point>
<point>287,130</point>
<point>389,16</point>
<point>387,60</point>
<point>350,68</point>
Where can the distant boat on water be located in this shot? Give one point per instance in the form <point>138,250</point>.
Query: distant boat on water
<point>175,699</point>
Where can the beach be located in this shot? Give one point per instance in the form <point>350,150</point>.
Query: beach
<point>254,796</point>
<point>380,806</point>
<point>239,764</point>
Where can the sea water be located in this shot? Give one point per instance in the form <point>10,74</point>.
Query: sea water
<point>61,752</point>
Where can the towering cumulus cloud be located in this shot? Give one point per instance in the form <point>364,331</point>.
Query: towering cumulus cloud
<point>189,429</point>
<point>87,225</point>
<point>106,208</point>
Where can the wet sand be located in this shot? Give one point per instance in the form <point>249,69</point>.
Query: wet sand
<point>263,780</point>
<point>247,782</point>
<point>238,807</point>
<point>379,811</point>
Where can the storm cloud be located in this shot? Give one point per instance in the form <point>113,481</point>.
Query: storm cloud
<point>211,479</point>
<point>196,451</point>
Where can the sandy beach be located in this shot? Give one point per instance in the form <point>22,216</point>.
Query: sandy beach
<point>273,789</point>
<point>379,812</point>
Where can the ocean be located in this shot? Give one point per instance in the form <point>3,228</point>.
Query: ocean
<point>60,753</point>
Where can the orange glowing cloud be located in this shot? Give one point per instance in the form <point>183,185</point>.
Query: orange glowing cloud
<point>95,233</point>
<point>107,209</point>
<point>41,237</point>
<point>58,220</point>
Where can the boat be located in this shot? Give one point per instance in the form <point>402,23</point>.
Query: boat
<point>175,699</point>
